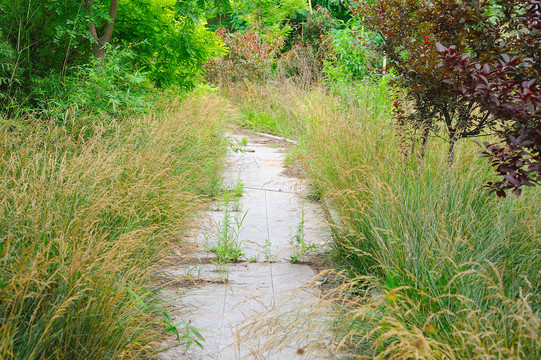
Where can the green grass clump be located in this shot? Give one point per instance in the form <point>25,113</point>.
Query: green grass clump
<point>269,109</point>
<point>84,222</point>
<point>458,269</point>
<point>437,267</point>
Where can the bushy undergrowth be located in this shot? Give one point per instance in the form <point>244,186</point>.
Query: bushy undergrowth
<point>281,108</point>
<point>437,268</point>
<point>83,224</point>
<point>106,89</point>
<point>300,65</point>
<point>352,58</point>
<point>250,55</point>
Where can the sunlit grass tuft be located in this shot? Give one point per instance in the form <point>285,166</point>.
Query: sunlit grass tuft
<point>84,223</point>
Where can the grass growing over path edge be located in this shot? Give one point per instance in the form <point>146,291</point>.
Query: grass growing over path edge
<point>85,220</point>
<point>435,268</point>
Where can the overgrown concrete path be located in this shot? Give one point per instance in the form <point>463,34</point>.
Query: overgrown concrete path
<point>263,306</point>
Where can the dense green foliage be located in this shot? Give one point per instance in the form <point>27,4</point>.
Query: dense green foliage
<point>244,14</point>
<point>171,48</point>
<point>42,40</point>
<point>103,89</point>
<point>353,57</point>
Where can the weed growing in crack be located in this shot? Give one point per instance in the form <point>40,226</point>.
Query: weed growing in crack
<point>193,273</point>
<point>184,330</point>
<point>222,268</point>
<point>228,247</point>
<point>298,241</point>
<point>235,190</point>
<point>236,144</point>
<point>243,141</point>
<point>238,190</point>
<point>189,334</point>
<point>267,251</point>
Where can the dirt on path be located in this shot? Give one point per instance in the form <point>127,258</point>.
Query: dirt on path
<point>265,305</point>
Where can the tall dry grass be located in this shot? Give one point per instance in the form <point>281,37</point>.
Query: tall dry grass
<point>437,268</point>
<point>84,223</point>
<point>268,108</point>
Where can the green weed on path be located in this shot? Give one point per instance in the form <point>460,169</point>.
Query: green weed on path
<point>84,223</point>
<point>228,247</point>
<point>435,268</point>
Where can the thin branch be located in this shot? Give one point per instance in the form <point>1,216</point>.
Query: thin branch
<point>479,126</point>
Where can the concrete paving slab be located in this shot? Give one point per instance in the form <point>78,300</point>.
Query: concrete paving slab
<point>262,308</point>
<point>221,311</point>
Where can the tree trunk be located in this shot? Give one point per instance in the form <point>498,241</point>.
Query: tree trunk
<point>424,141</point>
<point>454,135</point>
<point>98,47</point>
<point>451,152</point>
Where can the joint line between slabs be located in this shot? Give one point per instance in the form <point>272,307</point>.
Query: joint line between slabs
<point>268,237</point>
<point>278,191</point>
<point>220,333</point>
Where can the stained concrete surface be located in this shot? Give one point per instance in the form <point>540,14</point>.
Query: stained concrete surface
<point>230,308</point>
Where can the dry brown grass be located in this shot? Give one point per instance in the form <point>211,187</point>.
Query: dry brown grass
<point>84,222</point>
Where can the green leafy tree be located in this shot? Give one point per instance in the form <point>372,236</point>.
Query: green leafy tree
<point>172,42</point>
<point>270,12</point>
<point>338,8</point>
<point>220,11</point>
<point>51,38</point>
<point>45,37</point>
